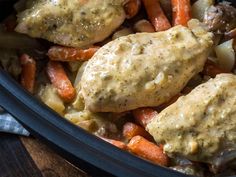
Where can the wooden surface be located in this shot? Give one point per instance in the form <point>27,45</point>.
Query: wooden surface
<point>28,157</point>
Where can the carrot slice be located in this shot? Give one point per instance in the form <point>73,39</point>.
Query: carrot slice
<point>28,72</point>
<point>156,15</point>
<point>131,8</point>
<point>60,53</point>
<point>148,150</point>
<point>131,129</point>
<point>181,10</point>
<point>211,69</point>
<point>144,115</point>
<point>116,143</point>
<point>60,81</point>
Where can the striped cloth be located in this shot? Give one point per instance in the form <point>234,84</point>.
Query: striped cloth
<point>9,125</point>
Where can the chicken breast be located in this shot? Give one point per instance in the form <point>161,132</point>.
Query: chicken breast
<point>144,69</point>
<point>200,125</point>
<point>75,23</point>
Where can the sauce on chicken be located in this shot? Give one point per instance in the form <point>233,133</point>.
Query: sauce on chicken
<point>75,23</point>
<point>144,69</point>
<point>201,124</point>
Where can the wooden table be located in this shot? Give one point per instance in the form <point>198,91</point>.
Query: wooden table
<point>28,157</point>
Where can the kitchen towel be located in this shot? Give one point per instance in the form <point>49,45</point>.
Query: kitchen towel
<point>9,125</point>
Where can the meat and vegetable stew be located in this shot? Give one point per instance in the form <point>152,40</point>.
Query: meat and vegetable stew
<point>155,78</point>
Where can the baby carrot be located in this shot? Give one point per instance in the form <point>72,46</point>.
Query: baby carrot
<point>60,81</point>
<point>181,10</point>
<point>116,143</point>
<point>60,53</point>
<point>131,129</point>
<point>131,8</point>
<point>156,15</point>
<point>28,72</point>
<point>144,115</point>
<point>148,150</point>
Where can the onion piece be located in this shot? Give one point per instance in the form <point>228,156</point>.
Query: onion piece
<point>12,40</point>
<point>79,74</point>
<point>199,8</point>
<point>226,55</point>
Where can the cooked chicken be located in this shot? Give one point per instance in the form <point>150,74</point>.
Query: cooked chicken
<point>144,69</point>
<point>200,125</point>
<point>75,23</point>
<point>220,18</point>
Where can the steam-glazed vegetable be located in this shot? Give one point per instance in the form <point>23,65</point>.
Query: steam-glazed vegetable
<point>140,70</point>
<point>203,121</point>
<point>75,23</point>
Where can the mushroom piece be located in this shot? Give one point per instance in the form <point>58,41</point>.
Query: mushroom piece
<point>220,18</point>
